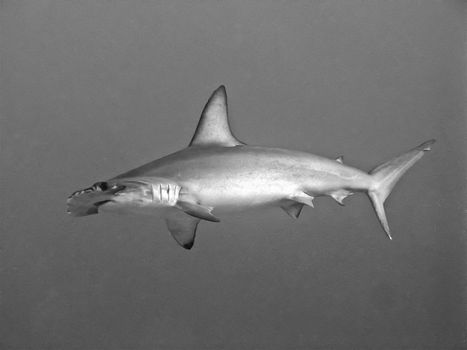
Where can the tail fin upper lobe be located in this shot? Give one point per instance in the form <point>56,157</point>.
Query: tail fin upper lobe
<point>386,176</point>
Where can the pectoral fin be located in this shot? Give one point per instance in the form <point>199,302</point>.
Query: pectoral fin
<point>197,210</point>
<point>182,227</point>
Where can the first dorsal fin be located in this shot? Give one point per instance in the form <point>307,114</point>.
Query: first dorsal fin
<point>213,126</point>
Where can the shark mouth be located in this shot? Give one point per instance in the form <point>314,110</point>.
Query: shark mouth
<point>87,201</point>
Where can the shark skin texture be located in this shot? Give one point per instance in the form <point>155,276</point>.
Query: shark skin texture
<point>217,174</point>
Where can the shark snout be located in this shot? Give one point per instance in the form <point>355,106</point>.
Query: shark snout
<point>87,201</point>
<point>113,194</point>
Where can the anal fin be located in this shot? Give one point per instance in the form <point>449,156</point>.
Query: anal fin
<point>340,195</point>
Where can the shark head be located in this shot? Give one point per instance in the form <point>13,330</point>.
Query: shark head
<point>111,195</point>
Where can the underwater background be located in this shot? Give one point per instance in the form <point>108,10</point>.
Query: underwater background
<point>91,89</point>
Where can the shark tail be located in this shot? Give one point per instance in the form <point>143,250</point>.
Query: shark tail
<point>386,176</point>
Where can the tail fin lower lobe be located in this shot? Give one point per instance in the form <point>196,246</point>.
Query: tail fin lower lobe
<point>386,176</point>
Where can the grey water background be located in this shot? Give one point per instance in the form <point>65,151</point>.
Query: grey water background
<point>94,88</point>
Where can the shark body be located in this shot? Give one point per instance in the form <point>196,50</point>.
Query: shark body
<point>217,174</point>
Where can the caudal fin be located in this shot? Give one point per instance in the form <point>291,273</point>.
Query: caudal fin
<point>386,176</point>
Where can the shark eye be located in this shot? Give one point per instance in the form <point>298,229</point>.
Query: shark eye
<point>101,186</point>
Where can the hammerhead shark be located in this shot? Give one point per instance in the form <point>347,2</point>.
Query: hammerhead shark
<point>218,174</point>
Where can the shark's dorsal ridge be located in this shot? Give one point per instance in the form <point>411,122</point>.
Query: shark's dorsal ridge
<point>213,126</point>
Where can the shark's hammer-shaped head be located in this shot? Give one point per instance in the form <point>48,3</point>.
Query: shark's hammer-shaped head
<point>126,194</point>
<point>87,201</point>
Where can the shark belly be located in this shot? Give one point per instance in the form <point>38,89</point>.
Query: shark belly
<point>237,193</point>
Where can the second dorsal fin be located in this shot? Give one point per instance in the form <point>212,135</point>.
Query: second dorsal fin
<point>213,126</point>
